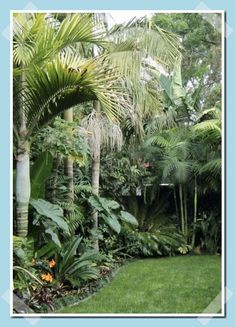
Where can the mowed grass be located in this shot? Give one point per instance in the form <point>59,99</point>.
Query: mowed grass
<point>185,284</point>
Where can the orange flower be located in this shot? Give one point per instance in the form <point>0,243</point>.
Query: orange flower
<point>47,277</point>
<point>52,263</point>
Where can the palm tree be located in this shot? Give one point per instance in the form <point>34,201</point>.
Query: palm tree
<point>50,78</point>
<point>101,132</point>
<point>127,49</point>
<point>176,165</point>
<point>206,155</point>
<point>68,162</point>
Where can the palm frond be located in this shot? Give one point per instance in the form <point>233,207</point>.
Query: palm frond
<point>213,167</point>
<point>102,131</point>
<point>208,128</point>
<point>54,89</point>
<point>37,41</point>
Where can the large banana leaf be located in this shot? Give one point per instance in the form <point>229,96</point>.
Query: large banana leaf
<point>172,85</point>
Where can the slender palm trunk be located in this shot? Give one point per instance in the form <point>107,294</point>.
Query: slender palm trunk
<point>68,163</point>
<point>181,208</point>
<point>51,183</point>
<point>195,212</point>
<point>185,213</point>
<point>95,179</point>
<point>22,194</point>
<point>176,204</point>
<point>22,176</point>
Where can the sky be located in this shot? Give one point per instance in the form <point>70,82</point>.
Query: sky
<point>118,16</point>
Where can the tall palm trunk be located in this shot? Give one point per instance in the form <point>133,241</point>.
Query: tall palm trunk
<point>185,213</point>
<point>176,204</point>
<point>22,174</point>
<point>68,162</point>
<point>22,182</point>
<point>195,212</point>
<point>181,209</point>
<point>95,178</point>
<point>51,183</point>
<point>22,194</point>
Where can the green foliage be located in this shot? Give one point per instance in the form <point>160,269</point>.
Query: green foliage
<point>208,228</point>
<point>149,212</point>
<point>52,211</point>
<point>71,266</point>
<point>38,174</point>
<point>23,249</point>
<point>128,218</point>
<point>49,219</point>
<point>52,82</point>
<point>172,85</point>
<point>184,249</point>
<point>25,277</point>
<point>121,175</point>
<point>64,139</point>
<point>109,211</point>
<point>163,242</point>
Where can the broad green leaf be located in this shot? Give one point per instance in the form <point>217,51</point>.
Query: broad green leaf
<point>106,204</point>
<point>52,211</point>
<point>113,204</point>
<point>112,222</point>
<point>39,172</point>
<point>70,251</point>
<point>127,217</point>
<point>177,88</point>
<point>101,204</point>
<point>95,203</point>
<point>165,83</point>
<point>54,236</point>
<point>47,250</point>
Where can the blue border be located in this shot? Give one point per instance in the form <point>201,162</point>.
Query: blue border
<point>229,7</point>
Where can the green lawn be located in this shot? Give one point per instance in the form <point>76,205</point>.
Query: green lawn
<point>185,284</point>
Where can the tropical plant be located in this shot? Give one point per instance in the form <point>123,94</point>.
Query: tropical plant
<point>25,276</point>
<point>162,242</point>
<point>49,221</point>
<point>69,266</point>
<point>47,82</point>
<point>111,213</point>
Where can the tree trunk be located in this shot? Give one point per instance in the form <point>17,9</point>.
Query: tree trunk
<point>51,183</point>
<point>22,174</point>
<point>22,189</point>
<point>185,213</point>
<point>176,205</point>
<point>95,180</point>
<point>181,208</point>
<point>68,162</point>
<point>195,212</point>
